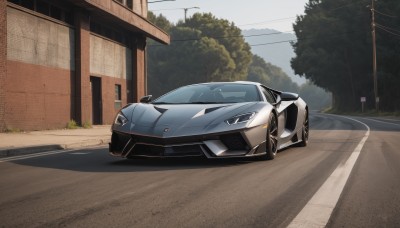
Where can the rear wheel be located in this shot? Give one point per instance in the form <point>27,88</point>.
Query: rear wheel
<point>272,138</point>
<point>305,132</point>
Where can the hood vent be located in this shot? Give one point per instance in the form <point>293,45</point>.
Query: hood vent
<point>208,110</point>
<point>160,110</point>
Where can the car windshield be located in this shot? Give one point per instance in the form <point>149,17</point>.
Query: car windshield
<point>211,94</point>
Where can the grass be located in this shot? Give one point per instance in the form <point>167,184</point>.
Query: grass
<point>12,130</point>
<point>87,125</point>
<point>72,124</point>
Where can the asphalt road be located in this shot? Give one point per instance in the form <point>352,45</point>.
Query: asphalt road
<point>89,188</point>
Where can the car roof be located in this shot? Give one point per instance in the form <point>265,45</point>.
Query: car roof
<point>236,82</point>
<point>240,83</point>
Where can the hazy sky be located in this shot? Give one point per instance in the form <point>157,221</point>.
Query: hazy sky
<point>273,14</point>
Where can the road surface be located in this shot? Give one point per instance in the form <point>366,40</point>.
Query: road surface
<point>89,188</point>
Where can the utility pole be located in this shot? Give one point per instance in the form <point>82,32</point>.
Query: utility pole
<point>374,65</point>
<point>186,9</point>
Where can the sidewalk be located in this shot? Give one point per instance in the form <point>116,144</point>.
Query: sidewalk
<point>12,144</point>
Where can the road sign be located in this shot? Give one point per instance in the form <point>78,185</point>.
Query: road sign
<point>363,99</point>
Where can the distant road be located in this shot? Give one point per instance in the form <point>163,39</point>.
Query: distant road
<point>89,188</point>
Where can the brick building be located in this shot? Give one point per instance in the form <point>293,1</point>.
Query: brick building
<point>71,59</point>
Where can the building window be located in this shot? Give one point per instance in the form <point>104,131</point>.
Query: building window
<point>118,100</point>
<point>47,9</point>
<point>110,33</point>
<point>127,3</point>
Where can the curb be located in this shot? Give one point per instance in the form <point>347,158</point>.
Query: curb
<point>9,152</point>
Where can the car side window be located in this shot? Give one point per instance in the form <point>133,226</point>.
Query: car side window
<point>268,95</point>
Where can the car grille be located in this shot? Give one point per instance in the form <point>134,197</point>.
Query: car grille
<point>168,151</point>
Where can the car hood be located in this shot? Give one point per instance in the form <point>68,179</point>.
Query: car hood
<point>185,119</point>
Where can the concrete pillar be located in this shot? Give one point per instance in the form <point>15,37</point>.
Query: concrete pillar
<point>3,61</point>
<point>83,104</point>
<point>139,68</point>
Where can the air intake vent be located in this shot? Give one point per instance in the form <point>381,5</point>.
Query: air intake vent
<point>160,110</point>
<point>234,141</point>
<point>208,110</point>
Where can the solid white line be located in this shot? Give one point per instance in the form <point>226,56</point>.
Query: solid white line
<point>380,121</point>
<point>41,154</point>
<point>318,210</point>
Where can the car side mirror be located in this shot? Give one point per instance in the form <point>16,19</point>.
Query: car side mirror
<point>278,100</point>
<point>146,99</point>
<point>286,96</point>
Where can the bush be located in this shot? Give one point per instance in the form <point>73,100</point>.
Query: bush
<point>87,125</point>
<point>72,124</point>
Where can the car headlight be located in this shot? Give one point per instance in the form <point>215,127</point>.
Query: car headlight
<point>120,119</point>
<point>240,118</point>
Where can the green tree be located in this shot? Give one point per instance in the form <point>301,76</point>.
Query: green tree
<point>315,97</point>
<point>199,60</point>
<point>334,51</point>
<point>270,75</point>
<point>226,34</point>
<point>195,56</point>
<point>160,21</point>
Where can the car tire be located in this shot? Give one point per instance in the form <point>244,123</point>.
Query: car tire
<point>272,138</point>
<point>305,131</point>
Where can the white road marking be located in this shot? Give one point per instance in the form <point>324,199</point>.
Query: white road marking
<point>21,157</point>
<point>318,210</point>
<point>41,154</point>
<point>379,121</point>
<point>80,153</point>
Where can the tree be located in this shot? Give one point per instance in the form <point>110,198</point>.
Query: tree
<point>200,60</point>
<point>226,34</point>
<point>333,51</point>
<point>195,56</point>
<point>270,75</point>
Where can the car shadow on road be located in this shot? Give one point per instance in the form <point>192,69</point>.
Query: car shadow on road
<point>98,160</point>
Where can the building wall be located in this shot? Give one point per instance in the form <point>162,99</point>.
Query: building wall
<point>110,58</point>
<point>40,63</point>
<point>46,65</point>
<point>38,97</point>
<point>112,62</point>
<point>140,7</point>
<point>3,61</point>
<point>35,40</point>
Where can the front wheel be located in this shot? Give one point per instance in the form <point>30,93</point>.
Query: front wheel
<point>272,138</point>
<point>305,132</point>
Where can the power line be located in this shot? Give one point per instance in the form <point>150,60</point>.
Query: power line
<point>387,15</point>
<point>265,22</point>
<point>305,38</point>
<point>396,34</point>
<point>226,37</point>
<point>385,27</point>
<point>277,42</point>
<point>343,6</point>
<point>264,34</point>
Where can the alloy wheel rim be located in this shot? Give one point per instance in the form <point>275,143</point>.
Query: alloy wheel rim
<point>273,135</point>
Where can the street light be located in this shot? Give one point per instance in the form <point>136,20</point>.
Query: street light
<point>186,9</point>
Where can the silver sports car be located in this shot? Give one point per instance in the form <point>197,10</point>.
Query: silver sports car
<point>213,120</point>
